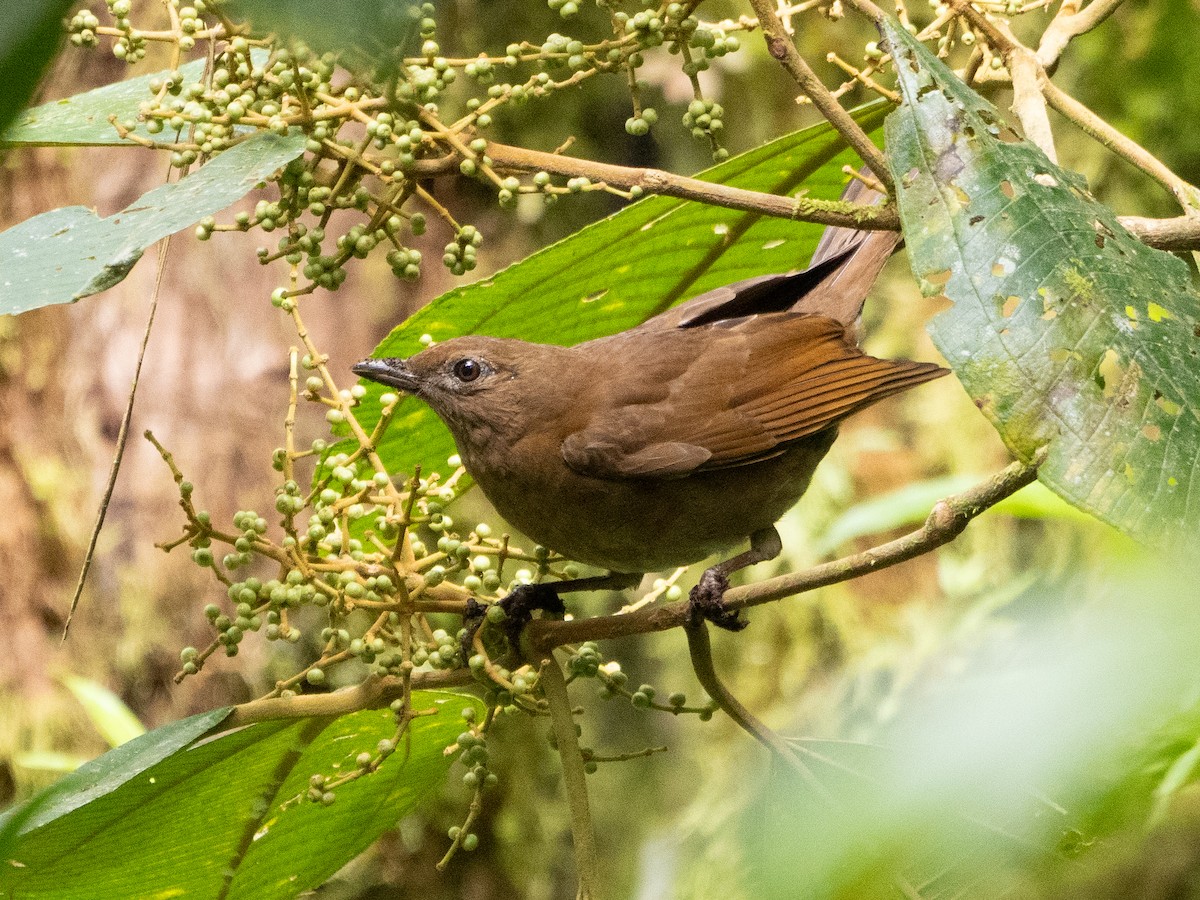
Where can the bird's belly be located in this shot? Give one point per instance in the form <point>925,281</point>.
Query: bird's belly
<point>650,525</point>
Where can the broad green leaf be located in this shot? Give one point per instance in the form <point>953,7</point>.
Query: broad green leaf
<point>1069,333</point>
<point>69,253</point>
<point>214,819</point>
<point>30,34</point>
<point>83,120</point>
<point>113,719</point>
<point>618,272</point>
<point>108,773</point>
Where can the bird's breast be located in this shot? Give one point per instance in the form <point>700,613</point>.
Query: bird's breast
<point>640,525</point>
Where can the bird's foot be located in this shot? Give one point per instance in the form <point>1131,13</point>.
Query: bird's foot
<point>472,621</point>
<point>518,609</point>
<point>706,601</point>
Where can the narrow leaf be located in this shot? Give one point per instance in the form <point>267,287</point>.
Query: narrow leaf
<point>1069,333</point>
<point>83,120</point>
<point>69,253</point>
<point>113,719</point>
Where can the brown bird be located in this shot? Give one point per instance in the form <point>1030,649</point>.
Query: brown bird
<point>664,444</point>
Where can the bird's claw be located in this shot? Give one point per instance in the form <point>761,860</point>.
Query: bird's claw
<point>518,607</point>
<point>706,602</point>
<point>520,604</point>
<point>472,621</point>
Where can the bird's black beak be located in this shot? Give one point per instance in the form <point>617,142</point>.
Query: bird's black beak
<point>392,372</point>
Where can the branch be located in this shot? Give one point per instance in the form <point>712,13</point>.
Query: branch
<point>374,693</point>
<point>781,46</point>
<point>1179,233</point>
<point>656,181</point>
<point>1080,115</point>
<point>574,777</point>
<point>700,650</point>
<point>946,521</point>
<point>1068,25</point>
<point>1029,104</point>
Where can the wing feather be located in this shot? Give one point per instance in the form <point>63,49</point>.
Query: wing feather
<point>714,397</point>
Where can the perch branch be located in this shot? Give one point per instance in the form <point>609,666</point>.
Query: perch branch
<point>945,522</point>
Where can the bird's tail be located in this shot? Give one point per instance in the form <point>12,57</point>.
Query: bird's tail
<point>840,294</point>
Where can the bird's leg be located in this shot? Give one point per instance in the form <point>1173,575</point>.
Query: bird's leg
<point>705,598</point>
<point>522,600</point>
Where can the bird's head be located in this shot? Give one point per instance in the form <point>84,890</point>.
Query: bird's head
<point>471,382</point>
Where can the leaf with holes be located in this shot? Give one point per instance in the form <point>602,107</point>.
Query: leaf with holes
<point>1072,336</point>
<point>618,272</point>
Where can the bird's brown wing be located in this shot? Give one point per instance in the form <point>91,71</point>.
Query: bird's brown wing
<point>732,394</point>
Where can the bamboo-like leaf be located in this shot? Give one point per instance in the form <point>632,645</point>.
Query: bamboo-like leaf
<point>70,253</point>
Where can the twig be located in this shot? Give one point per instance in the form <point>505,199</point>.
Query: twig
<point>574,777</point>
<point>373,693</point>
<point>945,522</point>
<point>1083,118</point>
<point>700,651</point>
<point>868,9</point>
<point>781,46</point>
<point>1068,25</point>
<point>122,440</point>
<point>656,181</point>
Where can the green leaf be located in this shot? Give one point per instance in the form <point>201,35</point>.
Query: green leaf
<point>83,120</point>
<point>113,719</point>
<point>69,253</point>
<point>30,34</point>
<point>1069,333</point>
<point>212,818</point>
<point>618,272</point>
<point>108,773</point>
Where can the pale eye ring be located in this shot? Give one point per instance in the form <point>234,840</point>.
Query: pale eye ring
<point>467,369</point>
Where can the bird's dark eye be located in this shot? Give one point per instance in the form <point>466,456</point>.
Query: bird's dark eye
<point>467,369</point>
